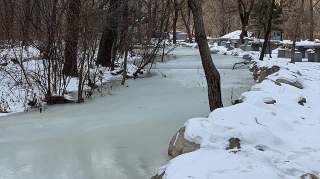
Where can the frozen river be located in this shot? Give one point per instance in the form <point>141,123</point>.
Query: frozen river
<point>121,136</point>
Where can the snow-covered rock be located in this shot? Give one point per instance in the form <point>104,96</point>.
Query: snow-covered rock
<point>179,145</point>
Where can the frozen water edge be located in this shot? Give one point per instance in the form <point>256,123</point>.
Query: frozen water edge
<point>124,135</point>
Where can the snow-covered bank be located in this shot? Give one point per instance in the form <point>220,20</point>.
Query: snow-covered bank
<point>277,125</point>
<point>23,79</point>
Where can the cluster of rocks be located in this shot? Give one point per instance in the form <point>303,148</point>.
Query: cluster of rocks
<point>260,74</point>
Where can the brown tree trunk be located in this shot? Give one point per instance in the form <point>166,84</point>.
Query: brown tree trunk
<point>211,73</point>
<point>105,48</point>
<point>268,31</point>
<point>51,30</point>
<point>244,13</point>
<point>244,32</point>
<point>72,36</point>
<point>297,31</point>
<point>114,50</point>
<point>175,19</point>
<point>311,18</point>
<point>187,24</point>
<point>27,22</point>
<point>125,38</point>
<point>108,38</point>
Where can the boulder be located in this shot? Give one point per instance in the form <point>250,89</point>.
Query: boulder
<point>237,101</point>
<point>308,176</point>
<point>247,57</point>
<point>234,145</point>
<point>296,84</point>
<point>270,101</point>
<point>267,71</point>
<point>302,101</point>
<point>179,145</point>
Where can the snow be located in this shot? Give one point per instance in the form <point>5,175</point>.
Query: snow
<point>24,53</point>
<point>15,92</point>
<point>235,35</point>
<point>278,141</point>
<point>305,43</point>
<point>206,163</point>
<point>123,135</point>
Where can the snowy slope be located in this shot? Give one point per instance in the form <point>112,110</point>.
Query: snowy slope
<point>278,141</point>
<point>235,35</point>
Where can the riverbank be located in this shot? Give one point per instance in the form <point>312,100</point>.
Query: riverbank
<point>123,135</point>
<point>272,133</point>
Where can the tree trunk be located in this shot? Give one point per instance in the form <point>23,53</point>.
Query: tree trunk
<point>268,31</point>
<point>72,36</point>
<point>105,48</point>
<point>244,13</point>
<point>311,29</point>
<point>114,50</point>
<point>187,24</point>
<point>174,25</point>
<point>51,28</point>
<point>211,73</point>
<point>297,30</point>
<point>108,38</point>
<point>244,27</point>
<point>125,33</point>
<point>26,22</point>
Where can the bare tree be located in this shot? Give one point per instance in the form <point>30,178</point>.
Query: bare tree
<point>186,18</point>
<point>245,8</point>
<point>72,36</point>
<point>297,28</point>
<point>211,73</point>
<point>311,19</point>
<point>108,37</point>
<point>268,30</point>
<point>176,7</point>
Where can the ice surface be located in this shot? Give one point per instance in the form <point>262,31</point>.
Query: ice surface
<point>121,136</point>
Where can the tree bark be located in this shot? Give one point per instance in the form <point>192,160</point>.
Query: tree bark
<point>268,31</point>
<point>105,48</point>
<point>51,28</point>
<point>26,22</point>
<point>175,19</point>
<point>108,38</point>
<point>311,18</point>
<point>72,36</point>
<point>244,13</point>
<point>297,30</point>
<point>187,25</point>
<point>211,73</point>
